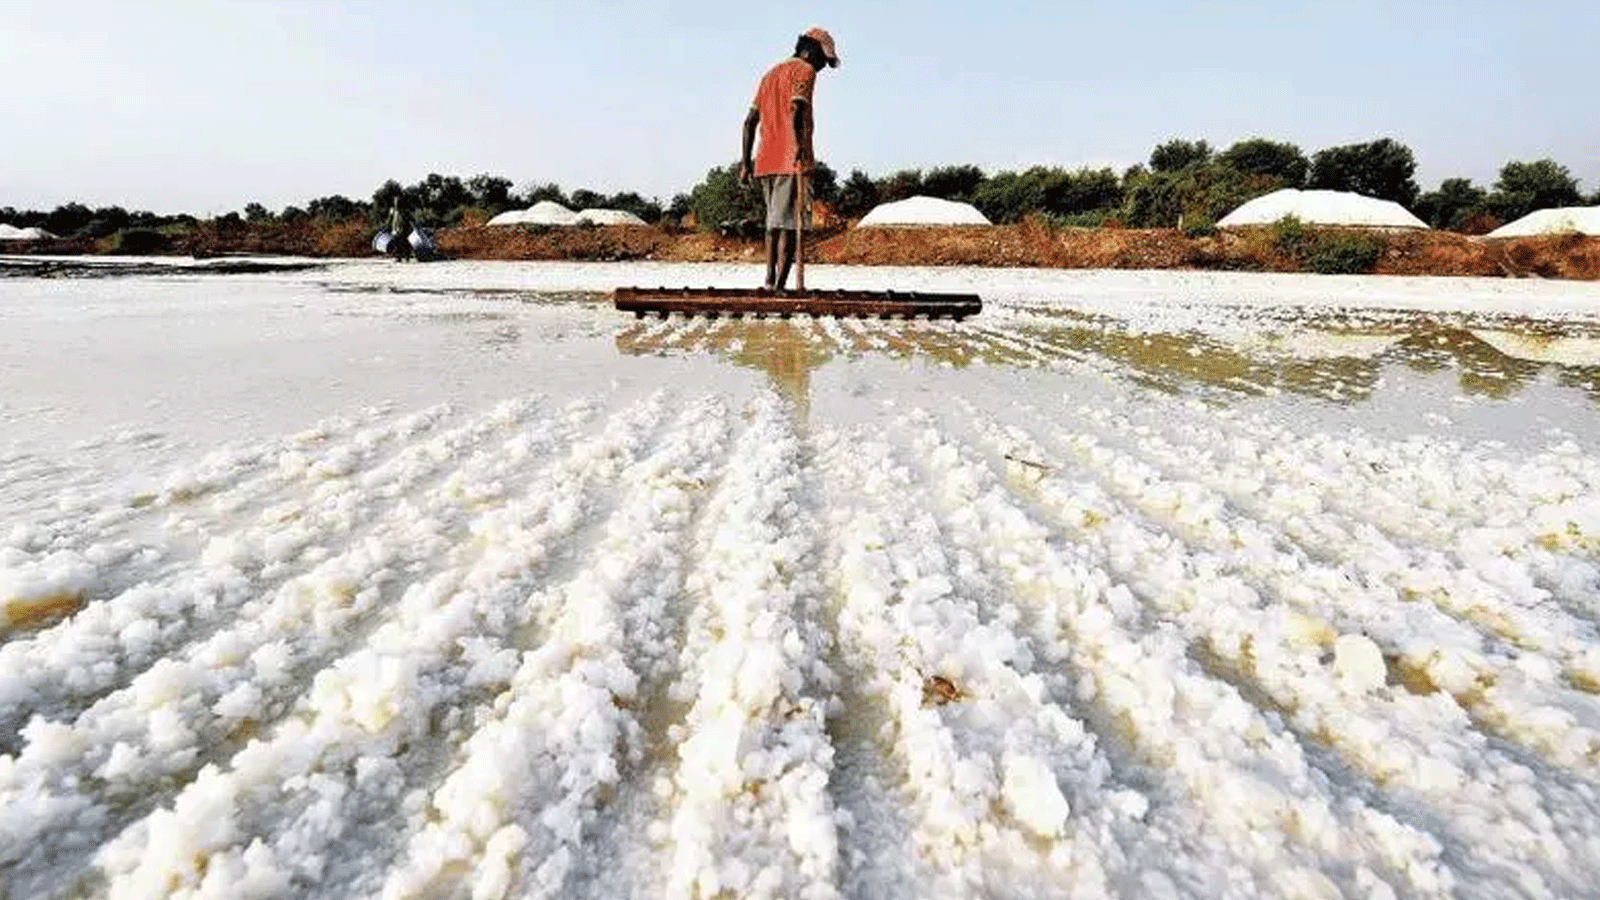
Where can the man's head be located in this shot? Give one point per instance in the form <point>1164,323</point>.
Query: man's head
<point>816,47</point>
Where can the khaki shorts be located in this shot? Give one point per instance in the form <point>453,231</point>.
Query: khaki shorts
<point>778,192</point>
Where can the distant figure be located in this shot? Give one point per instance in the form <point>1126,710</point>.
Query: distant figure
<point>782,111</point>
<point>399,231</point>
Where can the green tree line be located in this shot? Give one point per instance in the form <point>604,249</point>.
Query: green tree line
<point>1183,182</point>
<point>435,201</point>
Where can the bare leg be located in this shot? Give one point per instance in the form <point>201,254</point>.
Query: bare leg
<point>786,256</point>
<point>772,260</point>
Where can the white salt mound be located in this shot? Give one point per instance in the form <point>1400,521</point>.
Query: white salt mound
<point>609,217</point>
<point>545,212</point>
<point>1564,220</point>
<point>924,211</point>
<point>1322,208</point>
<point>9,233</point>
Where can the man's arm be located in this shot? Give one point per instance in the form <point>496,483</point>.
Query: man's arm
<point>804,153</point>
<point>748,144</point>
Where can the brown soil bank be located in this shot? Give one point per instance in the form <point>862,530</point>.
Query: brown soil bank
<point>1261,250</point>
<point>1031,244</point>
<point>1043,246</point>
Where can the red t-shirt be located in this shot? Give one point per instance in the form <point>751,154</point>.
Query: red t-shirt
<point>782,85</point>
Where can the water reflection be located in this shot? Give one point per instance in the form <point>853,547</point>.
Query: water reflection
<point>785,349</point>
<point>1333,359</point>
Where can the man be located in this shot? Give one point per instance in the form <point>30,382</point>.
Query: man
<point>781,111</point>
<point>399,231</point>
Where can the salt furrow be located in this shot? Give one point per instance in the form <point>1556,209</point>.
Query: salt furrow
<point>889,339</point>
<point>824,332</point>
<point>1024,350</point>
<point>843,341</point>
<point>1417,746</point>
<point>1233,761</point>
<point>954,340</point>
<point>515,814</point>
<point>653,332</point>
<point>111,640</point>
<point>1518,690</point>
<point>245,471</point>
<point>752,814</point>
<point>1006,791</point>
<point>686,335</point>
<point>108,523</point>
<point>175,715</point>
<point>1441,491</point>
<point>862,337</point>
<point>293,806</point>
<point>102,543</point>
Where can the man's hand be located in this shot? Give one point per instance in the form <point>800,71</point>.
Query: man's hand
<point>746,172</point>
<point>804,159</point>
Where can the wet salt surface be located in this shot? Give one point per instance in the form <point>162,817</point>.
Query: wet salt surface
<point>449,580</point>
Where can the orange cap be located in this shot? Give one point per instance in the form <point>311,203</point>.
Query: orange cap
<point>826,40</point>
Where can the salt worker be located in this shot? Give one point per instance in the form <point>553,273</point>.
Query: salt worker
<point>399,230</point>
<point>782,112</point>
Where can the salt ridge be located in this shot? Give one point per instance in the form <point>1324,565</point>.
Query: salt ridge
<point>923,211</point>
<point>1322,208</point>
<point>1564,220</point>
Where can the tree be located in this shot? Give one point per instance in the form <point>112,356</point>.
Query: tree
<point>1381,168</point>
<point>857,196</point>
<point>1083,191</point>
<point>1283,163</point>
<point>953,182</point>
<point>385,195</point>
<point>1449,207</point>
<point>1179,154</point>
<point>255,213</point>
<point>67,219</point>
<point>583,198</point>
<point>1524,187</point>
<point>105,221</point>
<point>678,208</point>
<point>720,199</point>
<point>292,214</point>
<point>1007,196</point>
<point>491,192</point>
<point>824,183</point>
<point>439,199</point>
<point>1195,194</point>
<point>900,185</point>
<point>540,192</point>
<point>629,201</point>
<point>1011,196</point>
<point>335,207</point>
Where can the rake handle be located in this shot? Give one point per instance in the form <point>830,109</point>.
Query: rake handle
<point>799,227</point>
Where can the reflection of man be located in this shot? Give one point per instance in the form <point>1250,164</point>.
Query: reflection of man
<point>782,111</point>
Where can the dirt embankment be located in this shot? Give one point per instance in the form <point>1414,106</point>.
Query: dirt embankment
<point>1034,245</point>
<point>1031,244</point>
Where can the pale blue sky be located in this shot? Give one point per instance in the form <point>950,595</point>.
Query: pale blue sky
<point>204,105</point>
